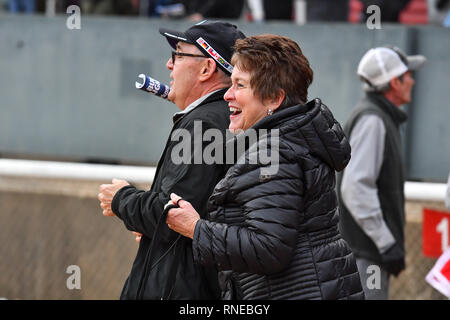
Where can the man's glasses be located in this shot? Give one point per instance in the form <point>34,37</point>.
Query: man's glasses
<point>182,54</point>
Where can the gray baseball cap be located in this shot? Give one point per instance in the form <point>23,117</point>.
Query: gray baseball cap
<point>379,65</point>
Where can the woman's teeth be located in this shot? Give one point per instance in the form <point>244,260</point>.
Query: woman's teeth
<point>235,111</point>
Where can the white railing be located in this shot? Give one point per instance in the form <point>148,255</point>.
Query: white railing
<point>78,171</point>
<point>419,191</point>
<point>423,191</point>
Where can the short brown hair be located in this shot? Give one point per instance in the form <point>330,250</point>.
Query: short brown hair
<point>275,63</point>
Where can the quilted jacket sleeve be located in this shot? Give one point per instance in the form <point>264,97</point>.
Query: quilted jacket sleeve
<point>264,242</point>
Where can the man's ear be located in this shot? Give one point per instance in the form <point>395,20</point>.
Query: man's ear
<point>208,69</point>
<point>395,83</point>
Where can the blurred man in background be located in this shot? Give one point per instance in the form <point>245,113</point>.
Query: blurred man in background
<point>164,267</point>
<point>198,10</point>
<point>113,7</point>
<point>27,6</point>
<point>371,187</point>
<point>439,12</point>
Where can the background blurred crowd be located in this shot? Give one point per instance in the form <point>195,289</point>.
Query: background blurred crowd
<point>399,11</point>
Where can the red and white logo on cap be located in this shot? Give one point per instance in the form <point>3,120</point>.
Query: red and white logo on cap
<point>215,55</point>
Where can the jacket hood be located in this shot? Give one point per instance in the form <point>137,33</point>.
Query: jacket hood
<point>312,125</point>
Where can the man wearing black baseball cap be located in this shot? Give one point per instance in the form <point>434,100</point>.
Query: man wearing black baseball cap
<point>200,75</point>
<point>211,45</point>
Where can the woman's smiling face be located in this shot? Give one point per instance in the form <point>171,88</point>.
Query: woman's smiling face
<point>246,108</point>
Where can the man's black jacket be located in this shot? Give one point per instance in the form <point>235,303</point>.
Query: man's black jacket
<point>141,210</point>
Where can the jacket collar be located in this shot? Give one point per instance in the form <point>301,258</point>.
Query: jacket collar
<point>310,126</point>
<point>282,116</point>
<point>209,97</point>
<point>395,113</point>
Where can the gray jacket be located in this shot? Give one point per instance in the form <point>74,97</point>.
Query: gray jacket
<point>371,188</point>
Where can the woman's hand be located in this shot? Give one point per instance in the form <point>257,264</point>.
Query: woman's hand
<point>138,236</point>
<point>182,219</point>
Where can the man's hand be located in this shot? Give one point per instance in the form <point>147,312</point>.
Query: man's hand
<point>393,260</point>
<point>107,193</point>
<point>182,219</point>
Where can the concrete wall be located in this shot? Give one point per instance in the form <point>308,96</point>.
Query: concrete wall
<point>51,224</point>
<point>69,94</point>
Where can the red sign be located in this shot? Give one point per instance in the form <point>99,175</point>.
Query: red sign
<point>439,276</point>
<point>435,232</point>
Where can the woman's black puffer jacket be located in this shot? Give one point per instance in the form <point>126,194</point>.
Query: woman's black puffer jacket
<point>275,236</point>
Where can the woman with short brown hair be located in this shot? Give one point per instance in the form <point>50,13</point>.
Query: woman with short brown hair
<point>275,236</point>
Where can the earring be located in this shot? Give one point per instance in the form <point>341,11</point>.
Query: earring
<point>269,112</point>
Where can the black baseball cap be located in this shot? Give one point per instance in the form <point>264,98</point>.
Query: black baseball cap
<point>214,39</point>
